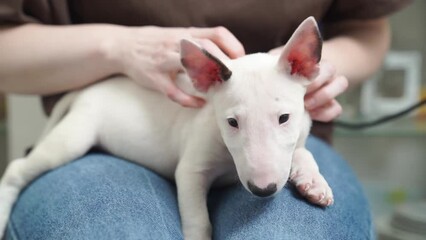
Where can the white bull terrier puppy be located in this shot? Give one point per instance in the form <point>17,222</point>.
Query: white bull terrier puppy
<point>252,128</point>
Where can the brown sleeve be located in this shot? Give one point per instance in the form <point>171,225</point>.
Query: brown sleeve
<point>34,11</point>
<point>363,9</point>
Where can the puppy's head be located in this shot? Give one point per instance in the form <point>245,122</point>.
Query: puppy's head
<point>258,102</point>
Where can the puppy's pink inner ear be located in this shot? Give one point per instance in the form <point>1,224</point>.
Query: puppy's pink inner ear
<point>204,69</point>
<point>206,74</point>
<point>302,52</point>
<point>302,60</point>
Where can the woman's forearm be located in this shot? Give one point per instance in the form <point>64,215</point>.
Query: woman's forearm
<point>40,59</point>
<point>357,48</point>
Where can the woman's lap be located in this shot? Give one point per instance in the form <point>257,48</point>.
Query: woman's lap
<point>237,215</point>
<point>102,197</point>
<point>96,197</point>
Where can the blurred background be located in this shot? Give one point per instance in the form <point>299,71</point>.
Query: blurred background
<point>390,159</point>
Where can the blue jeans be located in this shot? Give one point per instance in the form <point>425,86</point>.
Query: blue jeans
<point>102,197</point>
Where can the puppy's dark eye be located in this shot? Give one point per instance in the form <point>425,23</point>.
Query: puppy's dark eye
<point>284,118</point>
<point>233,122</point>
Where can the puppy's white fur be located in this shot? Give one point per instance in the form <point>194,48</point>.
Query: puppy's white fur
<point>195,147</point>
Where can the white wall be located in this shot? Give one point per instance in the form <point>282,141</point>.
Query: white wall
<point>25,122</point>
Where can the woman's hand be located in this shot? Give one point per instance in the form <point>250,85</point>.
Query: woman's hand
<point>321,93</point>
<point>150,56</point>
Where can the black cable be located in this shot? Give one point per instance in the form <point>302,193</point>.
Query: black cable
<point>362,125</point>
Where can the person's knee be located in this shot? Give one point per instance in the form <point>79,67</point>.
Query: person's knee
<point>100,197</point>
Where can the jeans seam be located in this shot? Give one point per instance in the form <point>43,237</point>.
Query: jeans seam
<point>12,230</point>
<point>157,204</point>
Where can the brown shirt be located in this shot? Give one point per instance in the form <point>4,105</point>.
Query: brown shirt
<point>259,24</point>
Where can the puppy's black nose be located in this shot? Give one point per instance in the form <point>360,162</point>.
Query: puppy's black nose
<point>262,192</point>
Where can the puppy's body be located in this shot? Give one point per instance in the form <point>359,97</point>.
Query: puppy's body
<point>253,128</point>
<point>142,126</point>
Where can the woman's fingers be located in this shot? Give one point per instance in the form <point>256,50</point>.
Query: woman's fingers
<point>173,92</point>
<point>212,48</point>
<point>326,112</point>
<point>321,93</point>
<point>211,39</point>
<point>171,62</point>
<point>184,99</point>
<point>276,51</point>
<point>326,93</point>
<point>327,72</point>
<point>222,37</point>
<point>151,56</point>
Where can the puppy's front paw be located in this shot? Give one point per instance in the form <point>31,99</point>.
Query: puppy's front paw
<point>313,186</point>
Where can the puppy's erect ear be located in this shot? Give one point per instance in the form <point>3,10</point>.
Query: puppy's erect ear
<point>302,52</point>
<point>204,69</point>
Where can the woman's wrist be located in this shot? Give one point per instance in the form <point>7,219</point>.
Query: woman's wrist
<point>112,47</point>
<point>357,48</point>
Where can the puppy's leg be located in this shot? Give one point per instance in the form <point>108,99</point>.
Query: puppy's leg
<point>70,139</point>
<point>306,177</point>
<point>193,183</point>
